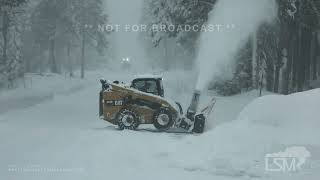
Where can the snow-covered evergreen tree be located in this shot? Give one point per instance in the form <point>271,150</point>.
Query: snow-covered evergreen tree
<point>67,24</point>
<point>172,17</point>
<point>11,63</point>
<point>89,15</point>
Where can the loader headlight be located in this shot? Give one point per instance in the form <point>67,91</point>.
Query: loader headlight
<point>125,60</point>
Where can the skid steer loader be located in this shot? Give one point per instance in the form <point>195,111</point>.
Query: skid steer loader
<point>143,102</point>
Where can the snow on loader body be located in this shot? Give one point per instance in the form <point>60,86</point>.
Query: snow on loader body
<point>143,102</point>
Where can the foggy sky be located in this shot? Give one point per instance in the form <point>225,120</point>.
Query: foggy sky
<point>125,12</point>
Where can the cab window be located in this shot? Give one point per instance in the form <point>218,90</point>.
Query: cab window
<point>148,86</point>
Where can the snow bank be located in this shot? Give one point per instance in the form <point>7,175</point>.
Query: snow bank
<point>285,120</point>
<point>299,111</point>
<point>269,124</point>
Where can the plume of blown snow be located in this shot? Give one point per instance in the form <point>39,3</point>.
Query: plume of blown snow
<point>218,48</point>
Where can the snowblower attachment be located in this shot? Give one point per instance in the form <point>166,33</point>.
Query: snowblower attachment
<point>194,121</point>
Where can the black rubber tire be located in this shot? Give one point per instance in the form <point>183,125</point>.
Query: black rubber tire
<point>161,127</point>
<point>199,124</point>
<point>135,120</point>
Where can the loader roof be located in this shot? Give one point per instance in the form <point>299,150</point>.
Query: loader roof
<point>146,76</point>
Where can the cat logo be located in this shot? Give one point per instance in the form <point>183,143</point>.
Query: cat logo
<point>114,103</point>
<point>118,103</point>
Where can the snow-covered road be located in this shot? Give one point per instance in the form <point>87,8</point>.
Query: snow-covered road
<point>64,134</point>
<point>64,139</point>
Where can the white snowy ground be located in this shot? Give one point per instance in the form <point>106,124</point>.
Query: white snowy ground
<point>62,138</point>
<point>36,88</point>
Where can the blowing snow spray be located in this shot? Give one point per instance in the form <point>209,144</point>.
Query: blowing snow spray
<point>218,49</point>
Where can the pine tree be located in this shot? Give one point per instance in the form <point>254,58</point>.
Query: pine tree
<point>48,23</point>
<point>68,23</point>
<point>268,51</point>
<point>11,59</point>
<point>178,13</point>
<point>88,17</point>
